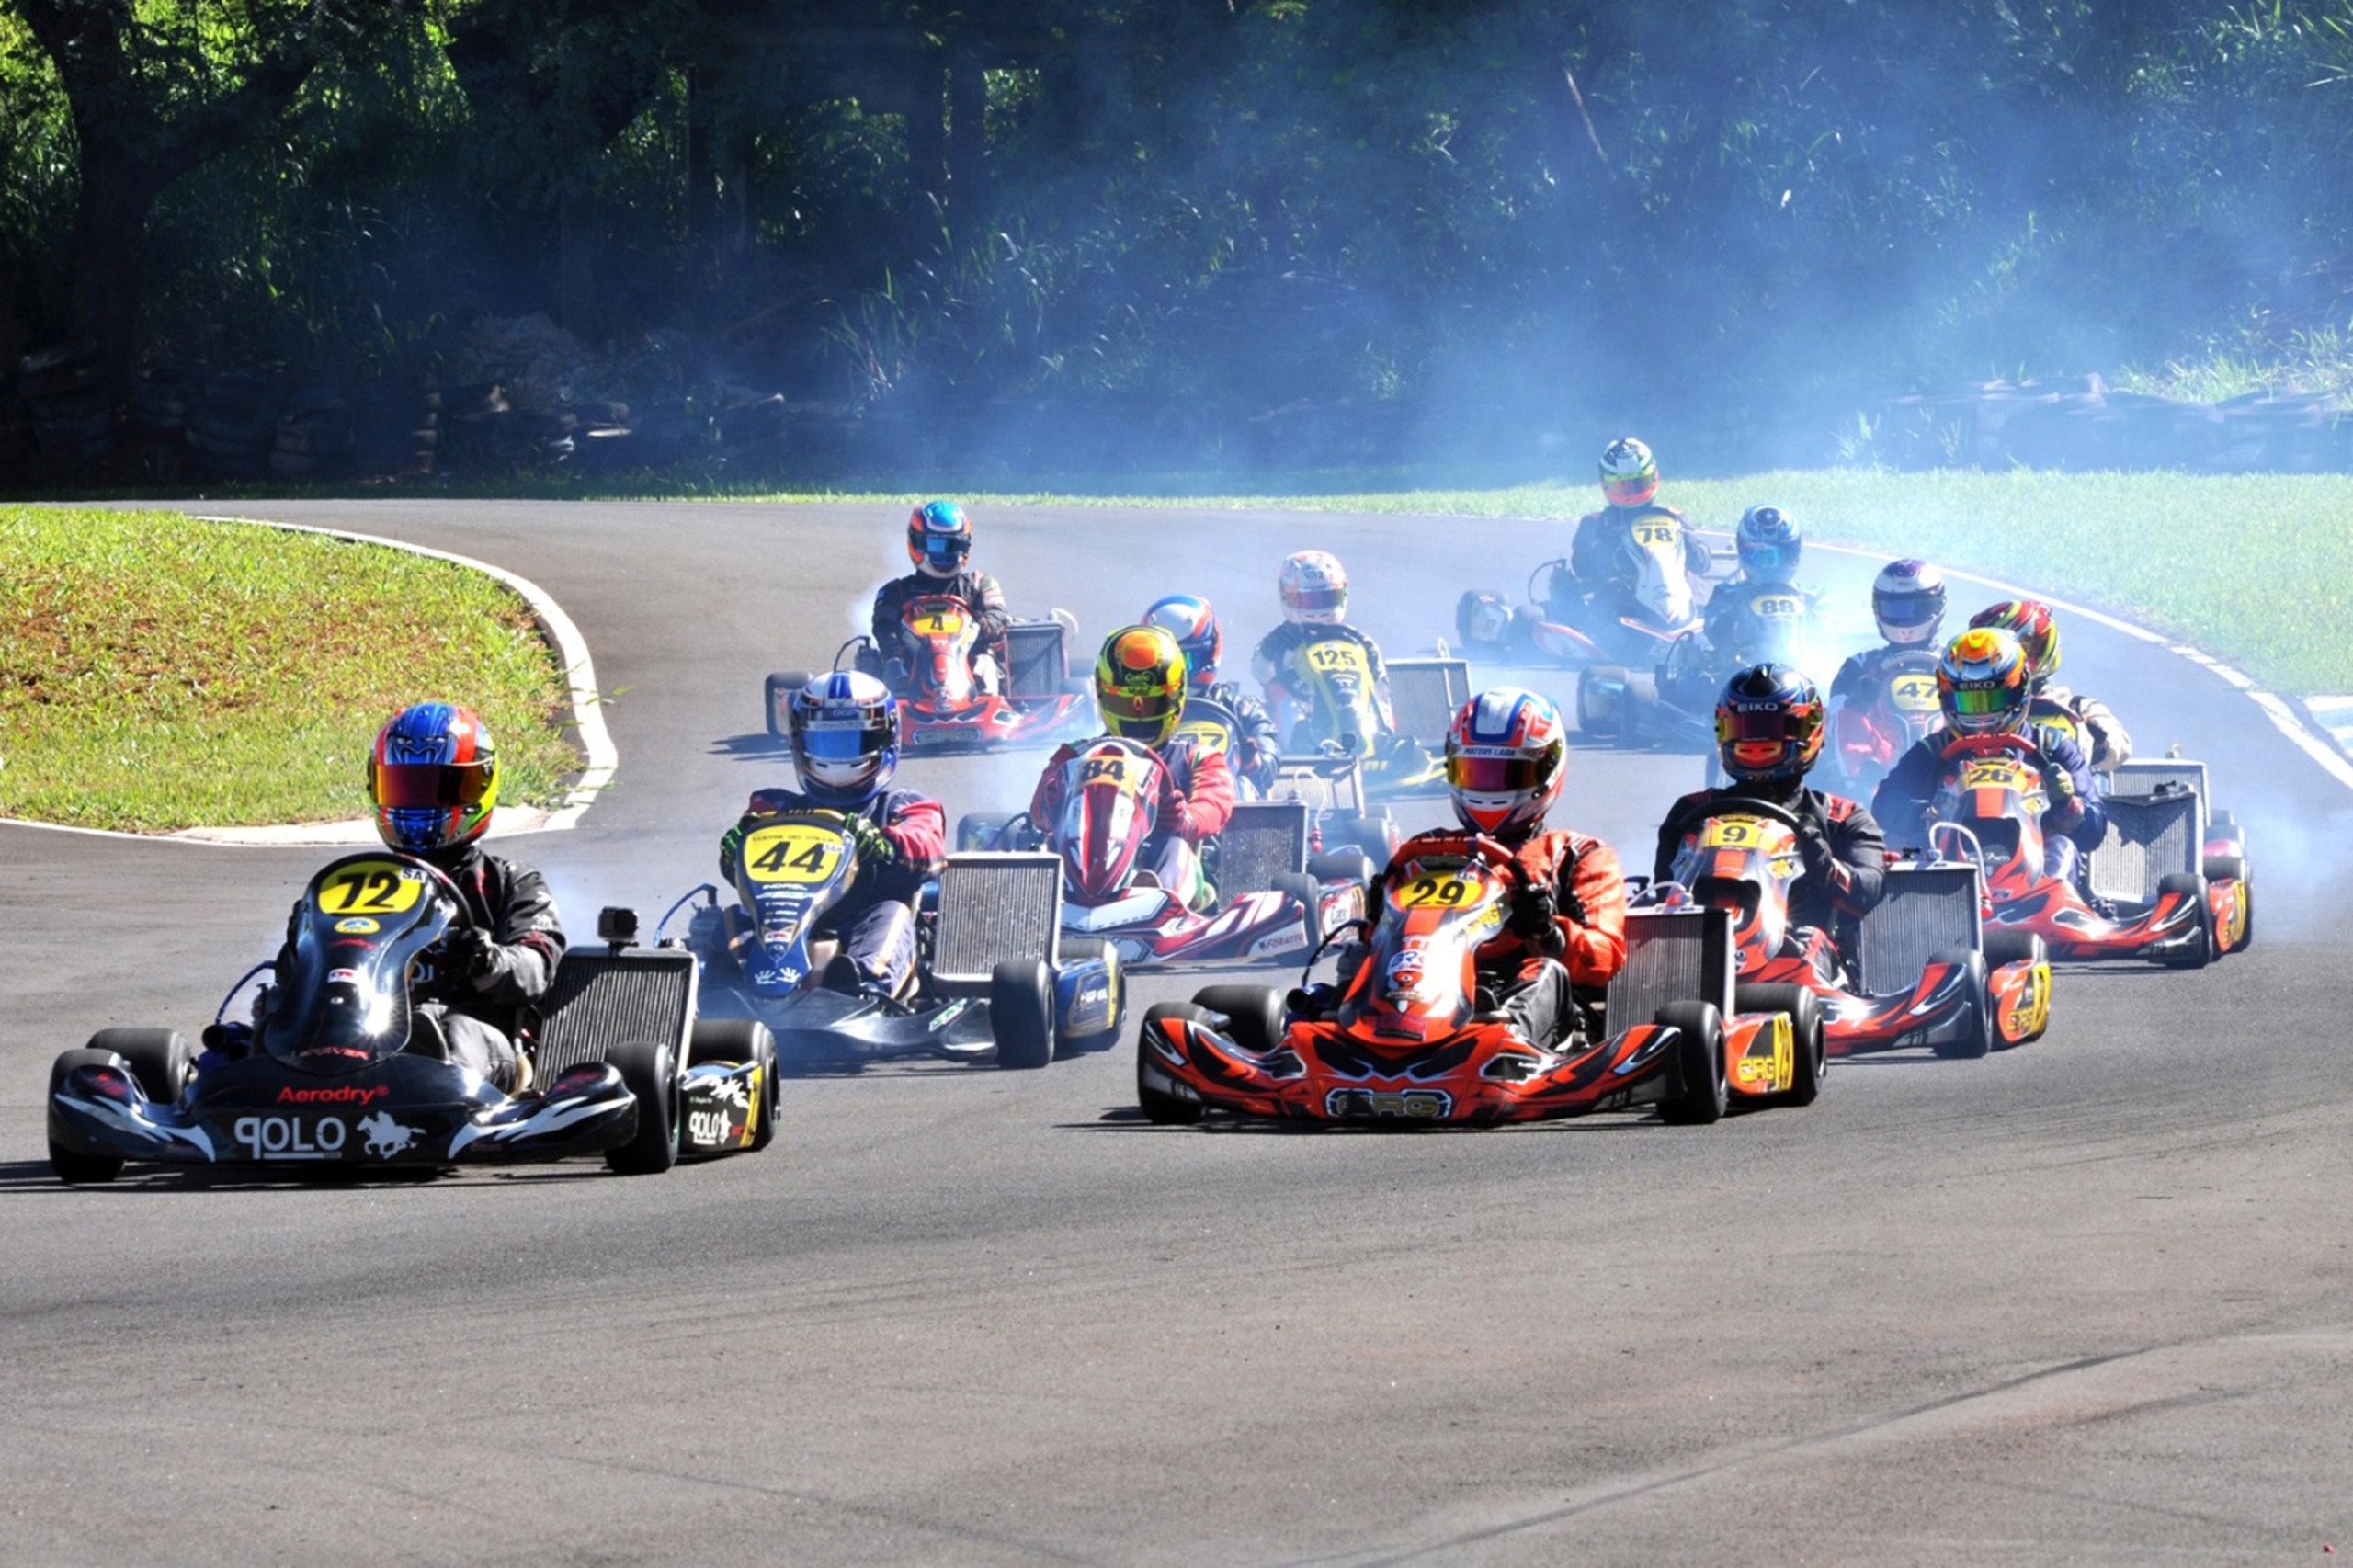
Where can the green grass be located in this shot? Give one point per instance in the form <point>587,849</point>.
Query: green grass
<point>159,672</point>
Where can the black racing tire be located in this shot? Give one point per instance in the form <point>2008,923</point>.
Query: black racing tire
<point>741,1039</point>
<point>159,1058</point>
<point>648,1068</point>
<point>1021,1013</point>
<point>1373,834</point>
<point>1309,894</point>
<point>1254,1014</point>
<point>1612,719</point>
<point>2009,946</point>
<point>1804,1009</point>
<point>2234,867</point>
<point>1159,1106</point>
<point>1976,1036</point>
<point>786,682</point>
<point>1700,1093</point>
<point>1343,866</point>
<point>979,830</point>
<point>1080,949</point>
<point>70,1165</point>
<point>2202,951</point>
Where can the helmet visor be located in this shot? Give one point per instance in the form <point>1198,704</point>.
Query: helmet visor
<point>1319,598</point>
<point>1494,775</point>
<point>1774,563</point>
<point>840,740</point>
<point>1908,610</point>
<point>1983,701</point>
<point>946,552</point>
<point>416,786</point>
<point>1150,706</point>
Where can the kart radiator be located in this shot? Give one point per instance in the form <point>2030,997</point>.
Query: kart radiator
<point>2148,777</point>
<point>1672,955</point>
<point>993,908</point>
<point>602,998</point>
<point>1425,694</point>
<point>1326,783</point>
<point>2148,837</point>
<point>1923,912</point>
<point>1040,664</point>
<point>1264,840</point>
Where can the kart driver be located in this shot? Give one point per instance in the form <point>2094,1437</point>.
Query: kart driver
<point>939,541</point>
<point>1769,732</point>
<point>1908,604</point>
<point>1314,588</point>
<point>1507,756</point>
<point>1768,544</point>
<point>845,731</point>
<point>1601,554</point>
<point>1257,748</point>
<point>1139,691</point>
<point>2086,720</point>
<point>1984,688</point>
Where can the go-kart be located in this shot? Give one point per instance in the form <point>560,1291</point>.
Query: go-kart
<point>1922,974</point>
<point>2151,830</point>
<point>1111,794</point>
<point>943,705</point>
<point>1677,705</point>
<point>1897,709</point>
<point>991,980</point>
<point>332,1074</point>
<point>1414,1040</point>
<point>1338,714</point>
<point>1630,626</point>
<point>2156,900</point>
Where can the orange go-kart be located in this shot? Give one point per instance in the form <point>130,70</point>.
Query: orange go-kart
<point>1414,1040</point>
<point>1923,971</point>
<point>1988,809</point>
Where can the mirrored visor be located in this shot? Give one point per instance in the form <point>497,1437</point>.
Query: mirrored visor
<point>410,786</point>
<point>1321,598</point>
<point>1148,704</point>
<point>1982,701</point>
<point>1493,774</point>
<point>840,740</point>
<point>1908,610</point>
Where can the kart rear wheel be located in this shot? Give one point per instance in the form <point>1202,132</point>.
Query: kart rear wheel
<point>732,1041</point>
<point>159,1058</point>
<point>2200,950</point>
<point>1161,1108</point>
<point>1021,1013</point>
<point>1309,894</point>
<point>780,687</point>
<point>1254,1014</point>
<point>1089,950</point>
<point>1804,1009</point>
<point>1700,1092</point>
<point>649,1070</point>
<point>70,1165</point>
<point>1342,865</point>
<point>2014,947</point>
<point>2234,867</point>
<point>1976,1036</point>
<point>1605,703</point>
<point>979,830</point>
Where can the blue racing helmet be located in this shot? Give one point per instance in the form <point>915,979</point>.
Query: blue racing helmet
<point>845,737</point>
<point>940,539</point>
<point>1189,619</point>
<point>1769,543</point>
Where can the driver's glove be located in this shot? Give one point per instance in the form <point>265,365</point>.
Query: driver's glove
<point>469,952</point>
<point>1532,913</point>
<point>1814,854</point>
<point>874,845</point>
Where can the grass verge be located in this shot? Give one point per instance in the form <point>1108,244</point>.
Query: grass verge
<point>159,672</point>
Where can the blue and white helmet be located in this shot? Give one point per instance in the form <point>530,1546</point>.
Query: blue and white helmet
<point>1769,543</point>
<point>940,539</point>
<point>845,737</point>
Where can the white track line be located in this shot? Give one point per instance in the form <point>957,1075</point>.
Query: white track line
<point>579,673</point>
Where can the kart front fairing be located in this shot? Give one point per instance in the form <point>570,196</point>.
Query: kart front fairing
<point>341,997</point>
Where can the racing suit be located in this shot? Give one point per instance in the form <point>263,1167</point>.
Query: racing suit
<point>1726,625</point>
<point>1196,802</point>
<point>1566,931</point>
<point>2073,825</point>
<point>1859,678</point>
<point>2086,720</point>
<point>1275,664</point>
<point>1600,563</point>
<point>1840,848</point>
<point>1257,744</point>
<point>875,919</point>
<point>977,589</point>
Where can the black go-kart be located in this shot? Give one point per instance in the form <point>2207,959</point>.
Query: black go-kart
<point>335,1075</point>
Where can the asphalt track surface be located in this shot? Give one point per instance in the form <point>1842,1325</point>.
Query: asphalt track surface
<point>2088,1299</point>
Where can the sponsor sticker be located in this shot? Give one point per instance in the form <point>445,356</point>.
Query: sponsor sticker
<point>358,925</point>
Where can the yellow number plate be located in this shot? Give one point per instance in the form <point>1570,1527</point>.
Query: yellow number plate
<point>1733,833</point>
<point>371,887</point>
<point>1998,775</point>
<point>1338,658</point>
<point>1777,607</point>
<point>1657,536</point>
<point>1913,694</point>
<point>1443,892</point>
<point>939,623</point>
<point>791,852</point>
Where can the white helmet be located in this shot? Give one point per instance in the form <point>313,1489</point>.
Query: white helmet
<point>1628,472</point>
<point>1314,588</point>
<point>1908,602</point>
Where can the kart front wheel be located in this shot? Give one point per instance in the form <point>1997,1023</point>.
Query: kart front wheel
<point>70,1165</point>
<point>1804,1009</point>
<point>734,1041</point>
<point>1308,894</point>
<point>2234,867</point>
<point>1975,1037</point>
<point>1021,1013</point>
<point>1160,1105</point>
<point>1254,1013</point>
<point>159,1058</point>
<point>2200,950</point>
<point>649,1070</point>
<point>1700,1092</point>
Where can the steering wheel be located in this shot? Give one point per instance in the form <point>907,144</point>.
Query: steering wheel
<point>2003,742</point>
<point>1477,846</point>
<point>1743,805</point>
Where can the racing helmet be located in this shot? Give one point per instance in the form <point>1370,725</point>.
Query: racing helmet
<point>2038,632</point>
<point>1314,588</point>
<point>844,729</point>
<point>1189,620</point>
<point>1769,543</point>
<point>1768,724</point>
<point>1507,756</point>
<point>1628,472</point>
<point>940,539</point>
<point>1140,684</point>
<point>1908,602</point>
<point>1983,683</point>
<point>433,778</point>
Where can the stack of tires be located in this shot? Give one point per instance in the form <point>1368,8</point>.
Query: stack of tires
<point>71,414</point>
<point>471,424</point>
<point>315,434</point>
<point>157,434</point>
<point>752,433</point>
<point>234,424</point>
<point>15,437</point>
<point>602,441</point>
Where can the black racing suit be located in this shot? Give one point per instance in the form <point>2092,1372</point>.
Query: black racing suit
<point>2073,825</point>
<point>1257,744</point>
<point>1859,678</point>
<point>874,920</point>
<point>1287,687</point>
<point>977,589</point>
<point>1839,843</point>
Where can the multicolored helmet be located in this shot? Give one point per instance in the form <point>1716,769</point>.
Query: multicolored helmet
<point>1628,472</point>
<point>1984,684</point>
<point>1140,684</point>
<point>940,539</point>
<point>1506,757</point>
<point>1768,724</point>
<point>845,729</point>
<point>1908,602</point>
<point>1189,620</point>
<point>433,776</point>
<point>2037,630</point>
<point>1314,587</point>
<point>1769,543</point>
